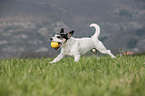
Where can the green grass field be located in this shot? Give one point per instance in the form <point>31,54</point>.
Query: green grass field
<point>124,76</point>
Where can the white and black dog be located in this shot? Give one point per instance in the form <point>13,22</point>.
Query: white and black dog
<point>78,46</point>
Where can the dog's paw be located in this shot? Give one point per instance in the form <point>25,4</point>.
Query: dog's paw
<point>114,57</point>
<point>51,62</point>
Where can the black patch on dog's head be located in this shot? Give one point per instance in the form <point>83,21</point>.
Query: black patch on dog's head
<point>65,35</point>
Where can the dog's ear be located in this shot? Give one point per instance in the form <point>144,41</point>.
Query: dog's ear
<point>69,34</point>
<point>62,30</point>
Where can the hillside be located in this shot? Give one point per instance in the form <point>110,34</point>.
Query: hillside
<point>27,25</point>
<point>124,76</point>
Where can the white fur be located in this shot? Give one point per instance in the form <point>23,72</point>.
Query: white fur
<point>79,46</point>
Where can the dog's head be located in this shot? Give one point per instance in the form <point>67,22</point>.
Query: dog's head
<point>61,38</point>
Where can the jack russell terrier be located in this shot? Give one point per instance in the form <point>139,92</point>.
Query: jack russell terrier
<point>78,46</point>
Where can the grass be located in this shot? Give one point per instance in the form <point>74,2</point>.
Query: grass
<point>124,76</point>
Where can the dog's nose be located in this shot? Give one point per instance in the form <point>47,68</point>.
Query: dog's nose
<point>51,39</point>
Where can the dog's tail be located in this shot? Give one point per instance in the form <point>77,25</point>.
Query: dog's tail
<point>97,30</point>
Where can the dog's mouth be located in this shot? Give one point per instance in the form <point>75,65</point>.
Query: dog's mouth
<point>59,46</point>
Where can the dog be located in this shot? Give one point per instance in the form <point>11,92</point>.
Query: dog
<point>78,46</point>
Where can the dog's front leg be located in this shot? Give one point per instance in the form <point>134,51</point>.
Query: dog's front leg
<point>77,57</point>
<point>59,57</point>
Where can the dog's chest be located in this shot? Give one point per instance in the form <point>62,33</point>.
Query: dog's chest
<point>69,48</point>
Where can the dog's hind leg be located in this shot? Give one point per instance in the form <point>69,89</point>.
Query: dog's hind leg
<point>103,50</point>
<point>107,52</point>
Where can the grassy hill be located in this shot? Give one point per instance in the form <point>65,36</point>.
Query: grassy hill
<point>124,76</point>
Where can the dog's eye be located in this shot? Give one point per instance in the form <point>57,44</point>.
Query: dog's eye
<point>58,36</point>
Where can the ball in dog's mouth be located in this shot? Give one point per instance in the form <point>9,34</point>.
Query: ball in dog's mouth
<point>56,45</point>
